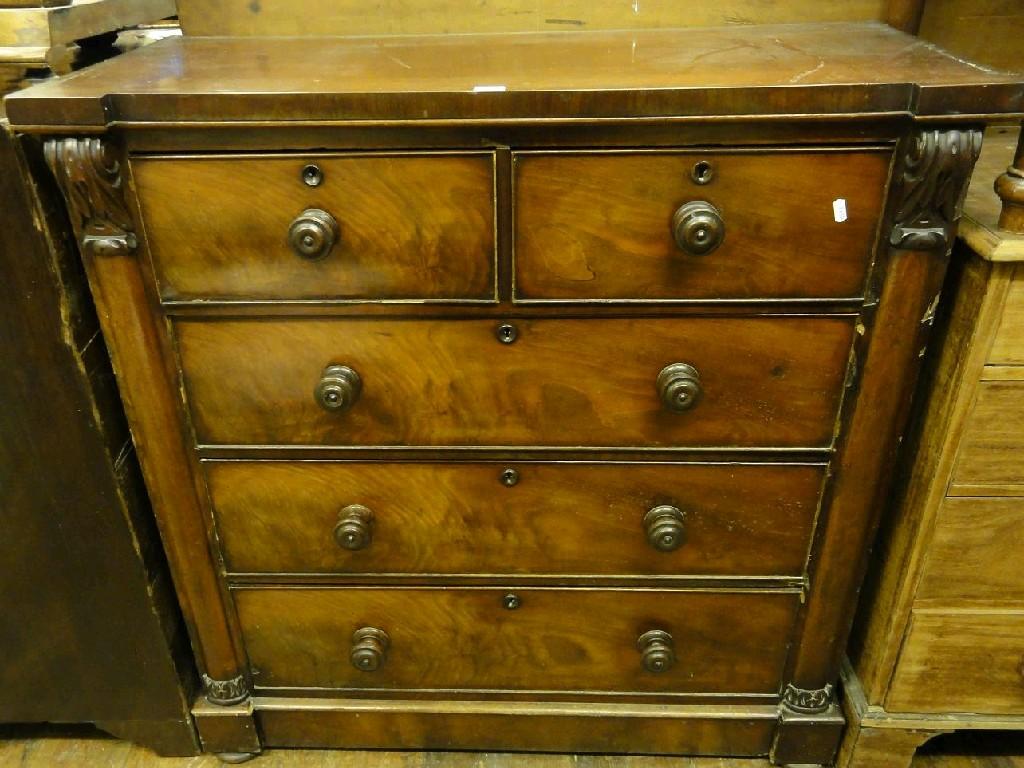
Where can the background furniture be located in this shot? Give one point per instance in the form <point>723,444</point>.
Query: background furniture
<point>42,36</point>
<point>509,321</point>
<point>940,644</point>
<point>90,628</point>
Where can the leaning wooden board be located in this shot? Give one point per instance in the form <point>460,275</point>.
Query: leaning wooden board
<point>528,391</point>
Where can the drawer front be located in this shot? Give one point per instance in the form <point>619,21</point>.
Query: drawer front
<point>600,225</point>
<point>1008,346</point>
<point>567,518</point>
<point>764,381</point>
<point>556,639</point>
<point>407,226</point>
<point>975,552</point>
<point>961,662</point>
<point>993,441</point>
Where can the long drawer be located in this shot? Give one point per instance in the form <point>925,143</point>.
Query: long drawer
<point>523,518</point>
<point>663,225</point>
<point>334,227</point>
<point>517,639</point>
<point>664,382</point>
<point>965,661</point>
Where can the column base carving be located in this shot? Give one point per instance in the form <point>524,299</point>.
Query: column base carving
<point>226,692</point>
<point>808,702</point>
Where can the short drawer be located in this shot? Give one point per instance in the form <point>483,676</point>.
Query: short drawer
<point>403,226</point>
<point>975,552</point>
<point>961,662</point>
<point>611,225</point>
<point>517,639</point>
<point>523,518</point>
<point>989,458</point>
<point>569,383</point>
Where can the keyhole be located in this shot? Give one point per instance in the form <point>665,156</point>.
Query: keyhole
<point>702,172</point>
<point>312,176</point>
<point>511,601</point>
<point>509,477</point>
<point>507,333</point>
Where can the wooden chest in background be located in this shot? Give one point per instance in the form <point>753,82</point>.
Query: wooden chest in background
<point>520,391</point>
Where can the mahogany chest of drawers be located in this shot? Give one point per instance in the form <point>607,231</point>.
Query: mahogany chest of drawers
<point>519,391</point>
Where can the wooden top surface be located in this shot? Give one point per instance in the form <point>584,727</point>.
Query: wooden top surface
<point>979,227</point>
<point>774,70</point>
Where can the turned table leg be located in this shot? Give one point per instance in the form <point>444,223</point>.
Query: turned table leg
<point>1010,188</point>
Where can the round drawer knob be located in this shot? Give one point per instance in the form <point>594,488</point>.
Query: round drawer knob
<point>679,386</point>
<point>657,651</point>
<point>354,530</point>
<point>369,648</point>
<point>698,227</point>
<point>313,234</point>
<point>664,526</point>
<point>338,388</point>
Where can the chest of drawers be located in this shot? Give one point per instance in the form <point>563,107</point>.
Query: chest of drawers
<point>519,391</point>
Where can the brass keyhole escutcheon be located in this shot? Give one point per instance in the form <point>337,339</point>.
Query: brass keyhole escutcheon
<point>509,477</point>
<point>702,173</point>
<point>511,601</point>
<point>507,333</point>
<point>312,176</point>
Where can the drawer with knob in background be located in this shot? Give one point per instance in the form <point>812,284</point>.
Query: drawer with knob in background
<point>360,227</point>
<point>506,638</point>
<point>658,382</point>
<point>518,518</point>
<point>661,225</point>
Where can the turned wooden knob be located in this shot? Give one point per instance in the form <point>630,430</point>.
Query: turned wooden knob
<point>354,530</point>
<point>698,228</point>
<point>657,651</point>
<point>679,386</point>
<point>664,526</point>
<point>338,388</point>
<point>369,648</point>
<point>313,233</point>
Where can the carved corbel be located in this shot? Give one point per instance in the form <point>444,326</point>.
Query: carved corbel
<point>930,187</point>
<point>808,702</point>
<point>88,173</point>
<point>226,692</point>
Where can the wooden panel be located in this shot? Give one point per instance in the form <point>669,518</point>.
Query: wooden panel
<point>565,518</point>
<point>961,662</point>
<point>766,381</point>
<point>549,727</point>
<point>598,225</point>
<point>975,552</point>
<point>408,17</point>
<point>557,639</point>
<point>785,70</point>
<point>411,226</point>
<point>1008,346</point>
<point>993,439</point>
<point>90,628</point>
<point>986,31</point>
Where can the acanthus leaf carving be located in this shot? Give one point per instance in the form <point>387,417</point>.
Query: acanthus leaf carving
<point>88,173</point>
<point>931,186</point>
<point>226,692</point>
<point>808,701</point>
